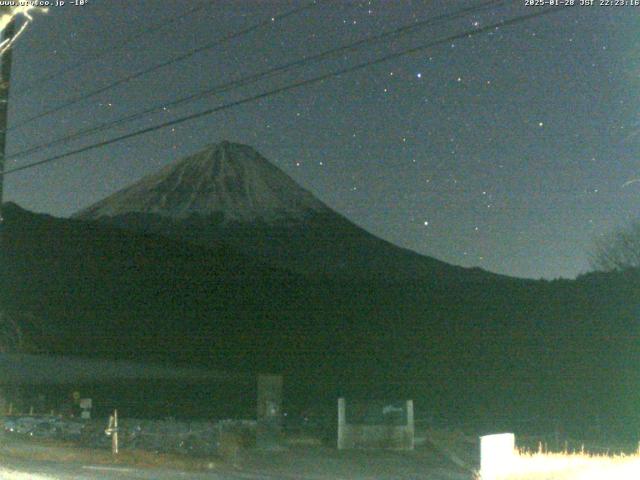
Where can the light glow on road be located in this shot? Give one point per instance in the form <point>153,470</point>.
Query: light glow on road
<point>8,474</point>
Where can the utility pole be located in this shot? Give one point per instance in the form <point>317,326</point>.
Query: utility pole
<point>5,77</point>
<point>5,80</point>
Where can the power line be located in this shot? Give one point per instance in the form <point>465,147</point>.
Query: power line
<point>159,66</point>
<point>224,87</point>
<point>317,79</point>
<point>97,54</point>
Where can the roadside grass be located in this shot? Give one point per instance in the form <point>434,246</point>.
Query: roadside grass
<point>570,466</point>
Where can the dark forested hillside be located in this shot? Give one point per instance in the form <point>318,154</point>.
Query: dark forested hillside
<point>492,352</point>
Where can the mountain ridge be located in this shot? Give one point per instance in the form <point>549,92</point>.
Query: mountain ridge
<point>268,216</point>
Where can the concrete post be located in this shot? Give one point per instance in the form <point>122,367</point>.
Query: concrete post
<point>342,422</point>
<point>497,455</point>
<point>410,424</point>
<point>114,437</point>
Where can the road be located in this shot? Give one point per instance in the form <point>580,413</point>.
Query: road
<point>22,459</point>
<point>40,470</point>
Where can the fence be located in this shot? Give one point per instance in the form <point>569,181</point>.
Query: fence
<point>162,436</point>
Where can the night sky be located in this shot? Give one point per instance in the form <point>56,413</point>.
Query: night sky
<point>512,150</point>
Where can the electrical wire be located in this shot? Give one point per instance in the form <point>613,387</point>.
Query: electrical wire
<point>286,88</point>
<point>164,64</point>
<point>97,54</point>
<point>227,86</point>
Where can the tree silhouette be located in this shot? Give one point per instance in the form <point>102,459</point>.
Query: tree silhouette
<point>619,250</point>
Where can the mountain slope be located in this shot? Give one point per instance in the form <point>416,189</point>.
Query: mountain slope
<point>106,291</point>
<point>230,193</point>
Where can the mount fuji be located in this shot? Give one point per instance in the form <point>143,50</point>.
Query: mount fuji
<point>228,193</point>
<point>228,181</point>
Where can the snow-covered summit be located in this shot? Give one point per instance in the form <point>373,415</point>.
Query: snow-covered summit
<point>227,178</point>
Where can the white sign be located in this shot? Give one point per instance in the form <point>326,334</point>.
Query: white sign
<point>497,455</point>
